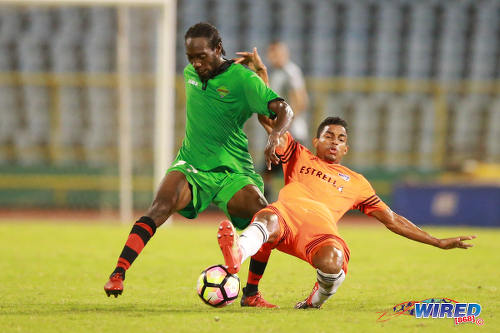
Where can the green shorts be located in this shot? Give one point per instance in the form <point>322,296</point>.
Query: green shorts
<point>217,187</point>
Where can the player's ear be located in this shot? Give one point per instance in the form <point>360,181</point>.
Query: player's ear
<point>218,49</point>
<point>315,143</point>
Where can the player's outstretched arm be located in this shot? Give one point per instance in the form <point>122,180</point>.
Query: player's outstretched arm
<point>401,226</point>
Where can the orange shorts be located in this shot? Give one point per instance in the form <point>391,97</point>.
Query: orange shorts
<point>305,229</point>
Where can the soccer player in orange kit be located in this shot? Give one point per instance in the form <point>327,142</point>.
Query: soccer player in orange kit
<point>318,191</point>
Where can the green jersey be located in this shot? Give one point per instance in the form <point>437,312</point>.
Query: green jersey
<point>216,111</point>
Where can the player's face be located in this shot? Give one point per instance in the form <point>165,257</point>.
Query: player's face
<point>203,58</point>
<point>277,55</point>
<point>331,145</point>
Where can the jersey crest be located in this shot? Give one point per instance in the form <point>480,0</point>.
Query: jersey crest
<point>223,91</point>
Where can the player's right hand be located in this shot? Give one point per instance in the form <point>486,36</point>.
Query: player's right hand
<point>272,143</point>
<point>455,242</point>
<point>250,59</point>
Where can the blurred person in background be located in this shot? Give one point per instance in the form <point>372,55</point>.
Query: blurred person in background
<point>287,80</point>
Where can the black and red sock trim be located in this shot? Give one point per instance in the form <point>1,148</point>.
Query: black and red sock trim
<point>255,272</point>
<point>141,233</point>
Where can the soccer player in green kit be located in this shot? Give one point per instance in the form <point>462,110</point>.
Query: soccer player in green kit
<point>213,164</point>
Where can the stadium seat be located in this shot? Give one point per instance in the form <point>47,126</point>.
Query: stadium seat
<point>492,136</point>
<point>142,40</point>
<point>257,33</point>
<point>292,33</point>
<point>388,37</point>
<point>322,37</point>
<point>40,20</point>
<point>465,129</point>
<point>30,144</point>
<point>356,40</point>
<point>71,125</point>
<point>192,12</point>
<point>9,120</point>
<point>364,133</point>
<point>101,133</point>
<point>398,133</point>
<point>452,55</point>
<point>227,18</point>
<point>420,40</point>
<point>485,41</point>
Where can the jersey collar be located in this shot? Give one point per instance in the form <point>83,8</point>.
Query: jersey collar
<point>221,69</point>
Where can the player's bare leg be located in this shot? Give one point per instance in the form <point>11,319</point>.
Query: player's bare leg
<point>246,202</point>
<point>328,262</point>
<point>174,194</point>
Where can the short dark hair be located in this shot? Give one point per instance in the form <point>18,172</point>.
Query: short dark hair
<point>331,121</point>
<point>207,30</point>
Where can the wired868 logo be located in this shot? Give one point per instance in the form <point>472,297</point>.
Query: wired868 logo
<point>436,308</point>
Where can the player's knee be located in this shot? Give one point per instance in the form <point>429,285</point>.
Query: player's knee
<point>270,221</point>
<point>161,209</point>
<point>328,259</point>
<point>257,202</point>
<point>246,202</point>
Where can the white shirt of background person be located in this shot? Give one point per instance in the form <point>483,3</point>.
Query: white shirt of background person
<point>287,80</point>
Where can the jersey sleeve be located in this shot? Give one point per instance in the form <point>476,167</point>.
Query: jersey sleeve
<point>368,201</point>
<point>288,150</point>
<point>258,95</point>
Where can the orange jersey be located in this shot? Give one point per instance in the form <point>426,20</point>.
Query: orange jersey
<point>315,196</point>
<point>329,188</point>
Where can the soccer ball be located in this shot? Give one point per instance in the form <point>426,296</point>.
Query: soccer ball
<point>217,287</point>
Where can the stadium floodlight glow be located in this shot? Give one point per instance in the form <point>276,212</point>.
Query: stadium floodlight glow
<point>164,89</point>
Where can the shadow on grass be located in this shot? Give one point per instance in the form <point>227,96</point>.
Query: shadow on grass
<point>138,310</point>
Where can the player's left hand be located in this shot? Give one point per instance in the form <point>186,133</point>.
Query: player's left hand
<point>272,143</point>
<point>250,59</point>
<point>455,242</point>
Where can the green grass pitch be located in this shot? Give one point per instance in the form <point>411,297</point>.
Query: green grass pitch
<point>52,277</point>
